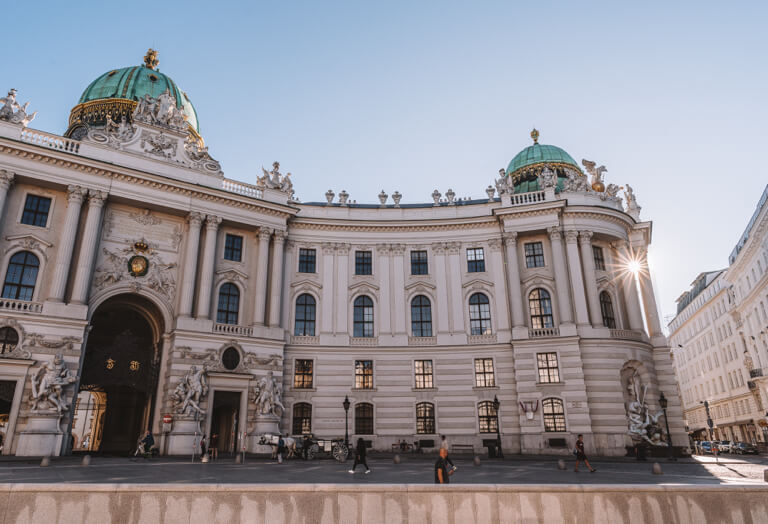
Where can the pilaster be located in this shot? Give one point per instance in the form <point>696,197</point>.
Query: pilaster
<point>89,245</point>
<point>276,280</point>
<point>590,278</point>
<point>75,196</point>
<point>262,265</point>
<point>189,275</point>
<point>561,276</point>
<point>206,270</point>
<point>6,181</point>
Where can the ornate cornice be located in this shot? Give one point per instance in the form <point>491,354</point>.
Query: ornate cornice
<point>404,228</point>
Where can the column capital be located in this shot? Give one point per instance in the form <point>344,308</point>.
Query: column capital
<point>571,236</point>
<point>382,249</point>
<point>6,178</point>
<point>438,248</point>
<point>554,233</point>
<point>342,249</point>
<point>212,222</point>
<point>494,244</point>
<point>585,237</point>
<point>453,248</point>
<point>264,233</point>
<point>280,236</point>
<point>397,249</point>
<point>76,194</point>
<point>97,197</point>
<point>195,218</point>
<point>509,238</point>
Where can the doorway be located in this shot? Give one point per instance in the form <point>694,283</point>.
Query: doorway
<point>115,402</point>
<point>225,420</point>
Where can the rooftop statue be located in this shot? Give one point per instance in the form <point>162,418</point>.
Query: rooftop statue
<point>633,209</point>
<point>14,113</point>
<point>160,111</point>
<point>597,175</point>
<point>275,180</point>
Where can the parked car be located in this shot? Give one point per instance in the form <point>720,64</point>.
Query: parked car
<point>724,446</point>
<point>743,448</point>
<point>705,446</point>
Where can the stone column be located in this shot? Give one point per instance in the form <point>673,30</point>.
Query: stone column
<point>75,195</point>
<point>590,279</point>
<point>206,270</point>
<point>513,280</point>
<point>561,276</point>
<point>189,275</point>
<point>6,180</point>
<point>441,319</point>
<point>454,277</point>
<point>649,298</point>
<point>399,308</point>
<point>276,279</point>
<point>262,264</point>
<point>328,292</point>
<point>496,260</point>
<point>342,286</point>
<point>577,280</point>
<point>88,246</point>
<point>629,288</point>
<point>385,310</point>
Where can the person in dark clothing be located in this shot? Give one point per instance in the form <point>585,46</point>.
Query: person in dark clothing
<point>202,446</point>
<point>280,448</point>
<point>213,446</point>
<point>146,443</point>
<point>360,456</point>
<point>580,455</point>
<point>305,444</point>
<point>442,470</point>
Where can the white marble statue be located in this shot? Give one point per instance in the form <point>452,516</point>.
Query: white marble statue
<point>547,178</point>
<point>160,111</point>
<point>48,384</point>
<point>611,191</point>
<point>275,180</point>
<point>633,209</point>
<point>12,112</point>
<point>268,396</point>
<point>643,425</point>
<point>191,391</point>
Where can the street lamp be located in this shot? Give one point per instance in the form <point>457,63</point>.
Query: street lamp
<point>346,420</point>
<point>496,405</point>
<point>663,404</point>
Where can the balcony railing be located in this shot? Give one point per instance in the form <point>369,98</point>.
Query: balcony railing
<point>241,188</point>
<point>233,329</point>
<point>41,138</point>
<point>756,372</point>
<point>533,197</point>
<point>20,306</point>
<point>544,332</point>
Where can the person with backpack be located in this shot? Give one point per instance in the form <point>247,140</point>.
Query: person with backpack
<point>360,457</point>
<point>580,455</point>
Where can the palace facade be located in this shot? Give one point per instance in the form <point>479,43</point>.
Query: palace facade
<point>170,292</point>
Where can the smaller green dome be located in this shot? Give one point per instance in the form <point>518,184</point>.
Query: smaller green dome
<point>525,167</point>
<point>540,154</point>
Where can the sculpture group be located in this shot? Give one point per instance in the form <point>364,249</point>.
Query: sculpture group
<point>48,385</point>
<point>643,424</point>
<point>11,111</point>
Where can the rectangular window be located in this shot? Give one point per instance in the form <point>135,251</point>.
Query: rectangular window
<point>597,254</point>
<point>548,370</point>
<point>303,374</point>
<point>423,372</point>
<point>484,373</point>
<point>36,210</point>
<point>306,260</point>
<point>419,263</point>
<point>534,254</point>
<point>475,260</point>
<point>363,374</point>
<point>363,263</point>
<point>233,248</point>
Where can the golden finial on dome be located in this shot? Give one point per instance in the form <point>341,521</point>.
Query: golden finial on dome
<point>535,136</point>
<point>150,59</point>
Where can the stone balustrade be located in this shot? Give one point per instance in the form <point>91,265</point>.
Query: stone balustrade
<point>364,341</point>
<point>305,340</point>
<point>241,188</point>
<point>422,341</point>
<point>41,138</point>
<point>20,306</point>
<point>627,334</point>
<point>544,332</point>
<point>233,329</point>
<point>482,339</point>
<point>520,199</point>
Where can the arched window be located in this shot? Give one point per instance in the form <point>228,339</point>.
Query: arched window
<point>229,304</point>
<point>302,418</point>
<point>479,315</point>
<point>606,308</point>
<point>540,307</point>
<point>21,276</point>
<point>554,414</point>
<point>488,417</point>
<point>425,418</point>
<point>305,316</point>
<point>364,418</point>
<point>363,317</point>
<point>9,340</point>
<point>230,359</point>
<point>421,316</point>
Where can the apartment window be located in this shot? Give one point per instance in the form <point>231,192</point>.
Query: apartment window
<point>548,370</point>
<point>229,304</point>
<point>484,373</point>
<point>540,307</point>
<point>9,340</point>
<point>475,260</point>
<point>479,315</point>
<point>303,374</point>
<point>364,419</point>
<point>363,374</point>
<point>306,260</point>
<point>21,276</point>
<point>606,308</point>
<point>36,210</point>
<point>421,316</point>
<point>597,254</point>
<point>233,248</point>
<point>534,254</point>
<point>488,417</point>
<point>302,418</point>
<point>419,265</point>
<point>425,418</point>
<point>422,370</point>
<point>363,263</point>
<point>554,415</point>
<point>363,317</point>
<point>305,316</point>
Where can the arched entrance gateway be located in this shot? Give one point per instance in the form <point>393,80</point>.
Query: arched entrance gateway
<point>118,384</point>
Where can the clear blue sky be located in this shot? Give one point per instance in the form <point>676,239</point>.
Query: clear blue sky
<point>413,96</point>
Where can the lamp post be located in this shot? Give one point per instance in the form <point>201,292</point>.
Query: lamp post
<point>346,420</point>
<point>496,405</point>
<point>663,404</point>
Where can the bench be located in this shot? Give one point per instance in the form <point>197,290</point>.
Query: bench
<point>427,443</point>
<point>462,448</point>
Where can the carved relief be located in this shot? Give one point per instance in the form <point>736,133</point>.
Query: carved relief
<point>159,274</point>
<point>145,218</point>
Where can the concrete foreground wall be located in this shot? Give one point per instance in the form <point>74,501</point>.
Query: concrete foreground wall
<point>380,503</point>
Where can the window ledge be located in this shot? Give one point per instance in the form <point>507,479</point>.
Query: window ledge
<point>550,383</point>
<point>482,388</point>
<point>424,389</point>
<point>365,389</point>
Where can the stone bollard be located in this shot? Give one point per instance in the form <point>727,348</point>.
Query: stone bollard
<point>45,462</point>
<point>205,458</point>
<point>476,461</point>
<point>657,469</point>
<point>561,465</point>
<point>238,459</point>
<point>86,461</point>
<point>396,459</point>
<point>765,475</point>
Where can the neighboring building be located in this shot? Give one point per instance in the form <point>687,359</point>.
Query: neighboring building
<point>720,342</point>
<point>126,251</point>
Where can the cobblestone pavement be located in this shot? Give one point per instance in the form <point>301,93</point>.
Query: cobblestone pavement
<point>699,470</point>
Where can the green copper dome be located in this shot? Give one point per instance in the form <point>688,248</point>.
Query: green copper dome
<point>526,166</point>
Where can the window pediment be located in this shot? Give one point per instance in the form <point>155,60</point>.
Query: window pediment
<point>477,282</point>
<point>29,242</point>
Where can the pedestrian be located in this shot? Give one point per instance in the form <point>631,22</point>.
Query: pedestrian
<point>442,471</point>
<point>305,444</point>
<point>202,445</point>
<point>360,457</point>
<point>580,455</point>
<point>145,444</point>
<point>280,447</point>
<point>444,445</point>
<point>213,446</point>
